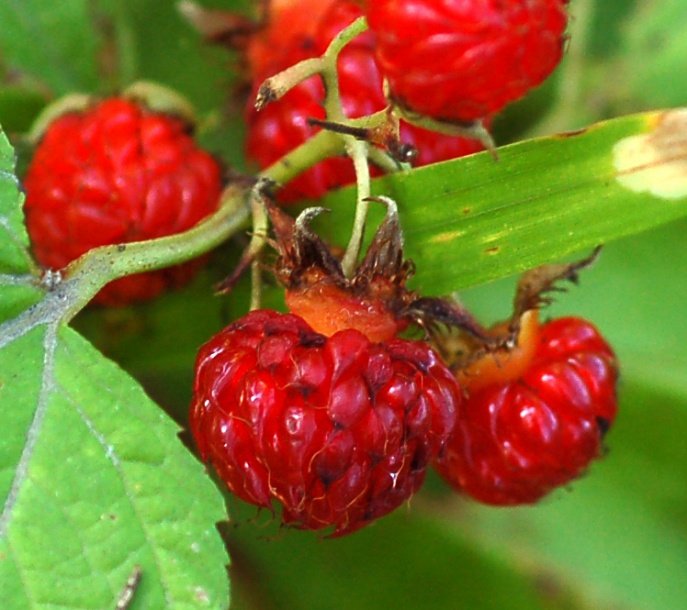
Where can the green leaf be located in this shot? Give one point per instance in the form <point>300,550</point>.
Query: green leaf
<point>52,41</point>
<point>95,481</point>
<point>653,62</point>
<point>17,285</point>
<point>153,41</point>
<point>14,241</point>
<point>473,220</point>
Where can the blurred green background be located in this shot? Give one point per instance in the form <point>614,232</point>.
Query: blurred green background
<point>617,540</point>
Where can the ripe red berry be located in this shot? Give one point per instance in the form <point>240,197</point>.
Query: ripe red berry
<point>533,424</point>
<point>113,173</point>
<point>283,125</point>
<point>284,22</point>
<point>461,60</point>
<point>337,429</point>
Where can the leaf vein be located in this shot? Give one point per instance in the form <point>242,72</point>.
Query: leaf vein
<point>111,454</point>
<point>47,385</point>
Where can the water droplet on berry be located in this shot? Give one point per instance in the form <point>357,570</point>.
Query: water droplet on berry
<point>294,420</point>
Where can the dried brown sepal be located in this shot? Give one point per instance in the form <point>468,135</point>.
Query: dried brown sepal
<point>385,136</point>
<point>472,341</point>
<point>536,285</point>
<point>305,262</point>
<point>256,187</point>
<point>433,312</point>
<point>384,257</point>
<point>300,249</point>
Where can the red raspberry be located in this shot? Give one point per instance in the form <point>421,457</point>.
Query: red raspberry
<point>115,173</point>
<point>285,21</point>
<point>461,60</point>
<point>283,125</point>
<point>518,439</point>
<point>337,429</point>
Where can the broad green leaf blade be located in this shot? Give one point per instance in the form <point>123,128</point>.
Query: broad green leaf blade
<point>18,288</point>
<point>14,241</point>
<point>93,481</point>
<point>474,219</point>
<point>53,41</point>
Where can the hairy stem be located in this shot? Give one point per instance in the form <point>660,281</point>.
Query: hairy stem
<point>81,280</point>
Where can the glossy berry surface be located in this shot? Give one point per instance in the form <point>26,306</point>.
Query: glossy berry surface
<point>337,429</point>
<point>517,440</point>
<point>461,60</point>
<point>283,125</point>
<point>115,173</point>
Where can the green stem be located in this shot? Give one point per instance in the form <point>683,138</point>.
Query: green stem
<point>261,223</point>
<point>322,145</point>
<point>88,274</point>
<point>357,151</point>
<point>83,278</point>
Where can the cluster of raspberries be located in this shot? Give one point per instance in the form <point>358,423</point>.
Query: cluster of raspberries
<point>456,62</point>
<point>328,410</point>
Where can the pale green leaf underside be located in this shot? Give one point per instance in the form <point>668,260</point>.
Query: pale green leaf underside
<point>93,481</point>
<point>473,220</point>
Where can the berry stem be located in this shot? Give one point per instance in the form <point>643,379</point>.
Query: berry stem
<point>330,73</point>
<point>357,151</point>
<point>327,143</point>
<point>472,129</point>
<point>261,224</point>
<point>355,148</point>
<point>81,280</point>
<point>322,145</point>
<point>279,85</point>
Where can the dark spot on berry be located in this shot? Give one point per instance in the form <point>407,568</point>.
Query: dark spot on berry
<point>375,458</point>
<point>311,340</point>
<point>492,250</point>
<point>467,211</point>
<point>325,480</point>
<point>305,390</point>
<point>308,44</point>
<point>604,426</point>
<point>418,462</point>
<point>121,247</point>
